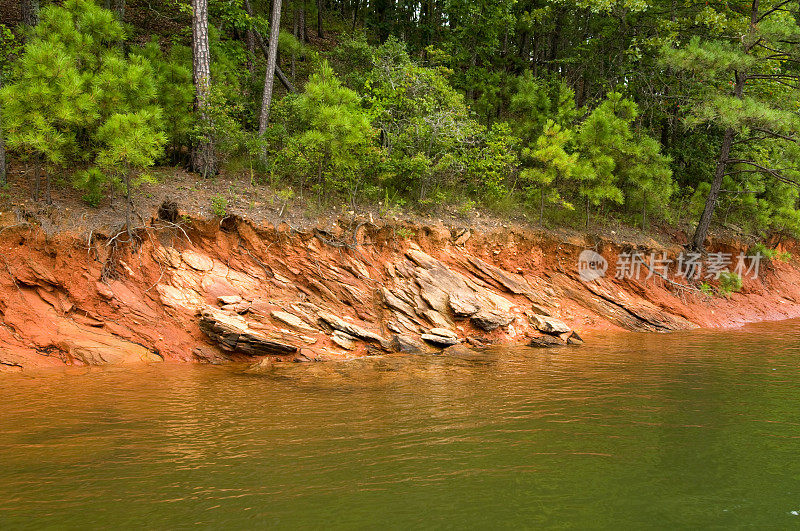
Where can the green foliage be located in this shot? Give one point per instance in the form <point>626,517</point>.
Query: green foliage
<point>548,163</point>
<point>175,92</point>
<point>485,104</point>
<point>492,161</point>
<point>770,254</point>
<point>219,206</point>
<point>329,138</point>
<point>94,182</point>
<point>76,98</point>
<point>615,158</point>
<point>729,283</point>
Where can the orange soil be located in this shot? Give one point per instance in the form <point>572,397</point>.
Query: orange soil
<point>66,300</point>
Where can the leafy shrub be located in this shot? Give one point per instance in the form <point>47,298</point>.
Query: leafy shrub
<point>219,206</point>
<point>729,283</point>
<point>326,136</point>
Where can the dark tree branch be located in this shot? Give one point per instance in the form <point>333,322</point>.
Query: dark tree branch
<point>771,11</point>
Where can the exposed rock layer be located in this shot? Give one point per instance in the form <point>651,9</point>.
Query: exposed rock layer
<point>201,293</point>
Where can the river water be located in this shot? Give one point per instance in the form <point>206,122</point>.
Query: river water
<point>631,430</point>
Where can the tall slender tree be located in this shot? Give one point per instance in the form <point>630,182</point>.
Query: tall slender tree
<point>272,59</point>
<point>320,8</point>
<point>748,88</point>
<point>269,78</point>
<point>203,156</point>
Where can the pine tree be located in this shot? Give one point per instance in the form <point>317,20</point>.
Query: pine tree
<point>331,139</point>
<point>70,83</point>
<point>548,161</point>
<point>746,86</point>
<point>131,141</point>
<point>204,159</point>
<point>613,157</point>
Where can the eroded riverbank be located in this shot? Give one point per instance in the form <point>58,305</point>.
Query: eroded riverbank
<point>214,292</point>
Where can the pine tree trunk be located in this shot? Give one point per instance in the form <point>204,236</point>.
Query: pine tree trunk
<point>587,213</point>
<point>203,158</point>
<point>30,12</point>
<point>302,20</point>
<point>356,5</point>
<point>128,204</point>
<point>119,9</point>
<point>698,242</point>
<point>320,32</point>
<point>272,58</point>
<point>35,181</point>
<point>541,207</point>
<point>251,50</point>
<point>644,211</point>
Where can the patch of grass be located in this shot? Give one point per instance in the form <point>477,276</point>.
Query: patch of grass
<point>729,283</point>
<point>707,289</point>
<point>404,233</point>
<point>219,206</point>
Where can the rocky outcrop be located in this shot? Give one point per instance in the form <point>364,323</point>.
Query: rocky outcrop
<point>232,333</point>
<point>199,292</point>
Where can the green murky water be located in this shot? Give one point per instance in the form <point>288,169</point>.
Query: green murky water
<point>685,430</point>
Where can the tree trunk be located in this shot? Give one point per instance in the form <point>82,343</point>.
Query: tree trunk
<point>587,213</point>
<point>265,48</point>
<point>302,19</point>
<point>128,204</point>
<point>320,32</point>
<point>30,12</point>
<point>541,207</point>
<point>251,50</point>
<point>644,211</point>
<point>203,158</point>
<point>356,5</point>
<point>119,9</point>
<point>35,181</point>
<point>698,242</point>
<point>272,58</point>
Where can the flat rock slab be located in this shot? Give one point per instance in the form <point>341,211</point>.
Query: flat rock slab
<point>546,342</point>
<point>491,319</point>
<point>346,341</point>
<point>349,328</point>
<point>408,345</point>
<point>197,261</point>
<point>229,299</point>
<point>444,332</point>
<point>439,340</point>
<point>232,333</point>
<point>549,325</point>
<point>293,321</point>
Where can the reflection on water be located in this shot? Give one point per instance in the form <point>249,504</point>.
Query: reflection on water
<point>689,429</point>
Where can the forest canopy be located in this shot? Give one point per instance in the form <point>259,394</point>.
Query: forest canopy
<point>567,112</point>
